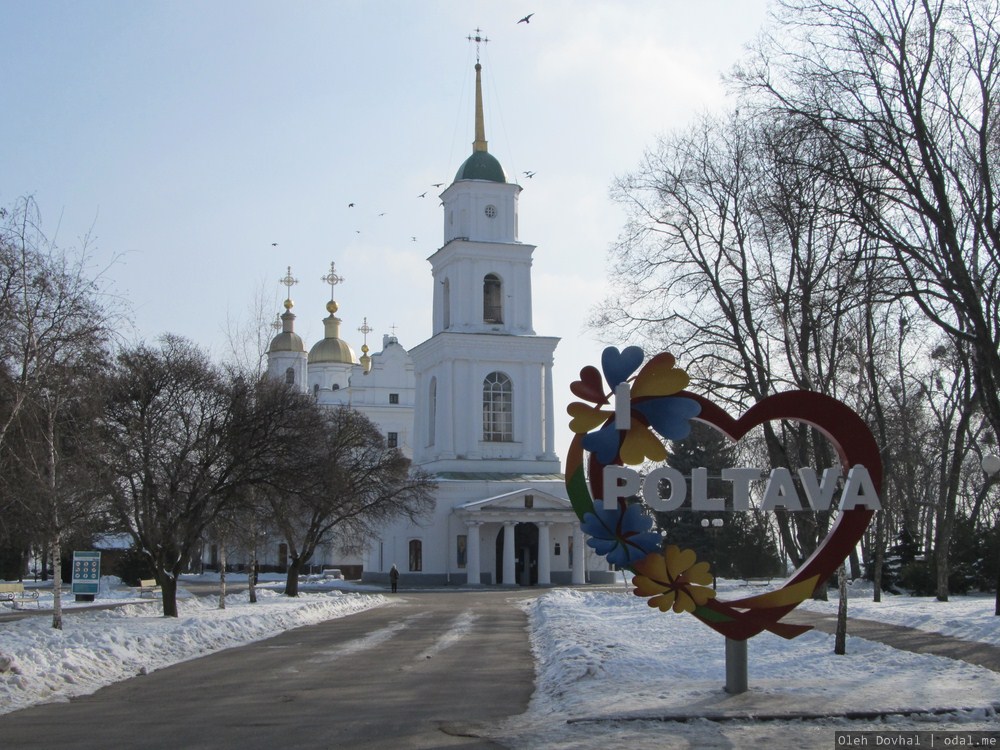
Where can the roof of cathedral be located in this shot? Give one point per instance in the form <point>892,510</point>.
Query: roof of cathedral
<point>496,476</point>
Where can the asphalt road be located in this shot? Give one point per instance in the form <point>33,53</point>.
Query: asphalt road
<point>421,672</point>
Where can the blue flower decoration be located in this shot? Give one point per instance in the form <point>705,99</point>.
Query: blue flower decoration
<point>653,405</point>
<point>621,535</point>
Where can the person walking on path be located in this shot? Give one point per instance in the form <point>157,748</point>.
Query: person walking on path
<point>394,578</point>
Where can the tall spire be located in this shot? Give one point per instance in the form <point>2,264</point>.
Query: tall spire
<point>480,143</point>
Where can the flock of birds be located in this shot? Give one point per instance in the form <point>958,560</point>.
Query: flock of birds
<point>528,174</point>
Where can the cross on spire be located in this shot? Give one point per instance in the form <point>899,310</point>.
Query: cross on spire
<point>289,281</point>
<point>332,278</point>
<point>365,329</point>
<point>479,37</point>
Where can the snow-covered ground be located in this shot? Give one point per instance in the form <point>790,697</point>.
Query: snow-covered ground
<point>609,669</point>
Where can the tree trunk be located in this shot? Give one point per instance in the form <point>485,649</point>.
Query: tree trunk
<point>879,555</point>
<point>57,618</point>
<point>840,641</point>
<point>222,574</point>
<point>252,577</point>
<point>292,581</point>
<point>168,592</point>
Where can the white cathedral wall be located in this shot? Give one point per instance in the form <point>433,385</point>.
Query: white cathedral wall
<point>439,532</point>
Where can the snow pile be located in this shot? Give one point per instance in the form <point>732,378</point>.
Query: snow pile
<point>611,670</point>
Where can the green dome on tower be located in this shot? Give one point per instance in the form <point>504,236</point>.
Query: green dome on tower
<point>482,165</point>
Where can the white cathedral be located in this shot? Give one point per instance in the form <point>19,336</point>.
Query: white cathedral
<point>473,405</point>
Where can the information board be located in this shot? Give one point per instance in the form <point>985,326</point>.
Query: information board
<point>86,572</point>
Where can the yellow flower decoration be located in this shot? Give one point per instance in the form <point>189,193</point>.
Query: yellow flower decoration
<point>674,579</point>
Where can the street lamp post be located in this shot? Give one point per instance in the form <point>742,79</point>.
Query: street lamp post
<point>712,526</point>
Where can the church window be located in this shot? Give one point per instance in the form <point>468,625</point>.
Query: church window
<point>492,299</point>
<point>392,439</point>
<point>416,555</point>
<point>315,390</point>
<point>557,550</point>
<point>462,546</point>
<point>393,398</point>
<point>498,408</point>
<point>529,501</point>
<point>290,376</point>
<point>491,211</point>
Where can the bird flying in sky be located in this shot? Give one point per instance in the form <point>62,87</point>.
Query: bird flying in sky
<point>529,175</point>
<point>527,18</point>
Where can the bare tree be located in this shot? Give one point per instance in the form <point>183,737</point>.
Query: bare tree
<point>356,485</point>
<point>904,92</point>
<point>738,258</point>
<point>55,323</point>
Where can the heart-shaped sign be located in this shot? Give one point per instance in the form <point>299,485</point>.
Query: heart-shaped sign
<point>675,586</point>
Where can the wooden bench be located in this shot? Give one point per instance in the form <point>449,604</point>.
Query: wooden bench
<point>16,594</point>
<point>148,587</point>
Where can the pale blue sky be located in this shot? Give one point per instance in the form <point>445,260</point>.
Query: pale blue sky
<point>189,136</point>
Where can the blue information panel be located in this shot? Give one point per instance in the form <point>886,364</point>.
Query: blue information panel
<point>86,572</point>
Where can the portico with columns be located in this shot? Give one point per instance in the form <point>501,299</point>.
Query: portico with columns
<point>523,537</point>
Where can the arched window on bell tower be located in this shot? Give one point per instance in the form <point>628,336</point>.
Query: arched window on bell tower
<point>492,299</point>
<point>290,376</point>
<point>498,408</point>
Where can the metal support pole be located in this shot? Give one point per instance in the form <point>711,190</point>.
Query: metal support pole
<point>736,666</point>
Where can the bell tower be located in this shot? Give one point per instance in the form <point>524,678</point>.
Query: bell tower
<point>484,379</point>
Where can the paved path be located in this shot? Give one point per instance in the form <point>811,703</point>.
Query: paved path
<point>420,672</point>
<point>906,639</point>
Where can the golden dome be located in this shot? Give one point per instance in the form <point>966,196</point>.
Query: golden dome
<point>332,348</point>
<point>287,341</point>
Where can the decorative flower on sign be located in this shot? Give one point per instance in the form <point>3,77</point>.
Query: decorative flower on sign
<point>674,579</point>
<point>623,434</point>
<point>621,534</point>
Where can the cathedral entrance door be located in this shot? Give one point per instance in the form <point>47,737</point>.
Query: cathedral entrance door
<point>526,540</point>
<point>526,554</point>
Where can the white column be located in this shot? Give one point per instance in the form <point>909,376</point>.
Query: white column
<point>472,553</point>
<point>544,554</point>
<point>509,573</point>
<point>548,416</point>
<point>578,555</point>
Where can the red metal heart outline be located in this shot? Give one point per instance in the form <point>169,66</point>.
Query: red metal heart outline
<point>744,618</point>
<point>854,444</point>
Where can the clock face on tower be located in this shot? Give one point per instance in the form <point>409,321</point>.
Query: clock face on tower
<point>491,211</point>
